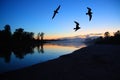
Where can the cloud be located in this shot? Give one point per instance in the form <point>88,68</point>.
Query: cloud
<point>96,34</point>
<point>89,35</point>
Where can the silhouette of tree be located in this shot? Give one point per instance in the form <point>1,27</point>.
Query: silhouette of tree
<point>5,35</point>
<point>107,34</point>
<point>19,30</point>
<point>38,36</point>
<point>117,37</point>
<point>27,36</point>
<point>20,42</point>
<point>22,36</point>
<point>109,39</point>
<point>1,35</point>
<point>42,35</point>
<point>17,36</point>
<point>117,33</point>
<point>7,28</point>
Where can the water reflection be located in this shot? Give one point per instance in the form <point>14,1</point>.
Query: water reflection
<point>19,52</point>
<point>40,48</point>
<point>19,57</point>
<point>5,53</point>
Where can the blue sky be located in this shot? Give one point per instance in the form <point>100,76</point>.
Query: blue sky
<point>36,16</point>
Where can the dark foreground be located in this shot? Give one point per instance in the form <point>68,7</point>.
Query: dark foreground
<point>96,62</point>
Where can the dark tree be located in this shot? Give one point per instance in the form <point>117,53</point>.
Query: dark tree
<point>5,35</point>
<point>17,36</point>
<point>7,28</point>
<point>107,34</point>
<point>117,33</point>
<point>38,36</point>
<point>109,39</point>
<point>42,35</point>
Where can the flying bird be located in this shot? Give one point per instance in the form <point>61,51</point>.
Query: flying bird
<point>89,13</point>
<point>77,26</point>
<point>56,11</point>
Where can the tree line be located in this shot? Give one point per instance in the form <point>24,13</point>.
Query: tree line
<point>19,36</point>
<point>19,42</point>
<point>108,39</point>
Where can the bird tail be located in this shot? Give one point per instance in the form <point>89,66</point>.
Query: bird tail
<point>74,28</point>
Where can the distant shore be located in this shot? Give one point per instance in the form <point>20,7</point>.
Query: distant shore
<point>95,62</point>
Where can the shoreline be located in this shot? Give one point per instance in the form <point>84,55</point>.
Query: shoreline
<point>94,62</point>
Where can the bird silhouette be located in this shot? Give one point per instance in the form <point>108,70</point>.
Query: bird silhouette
<point>77,26</point>
<point>56,11</point>
<point>89,13</point>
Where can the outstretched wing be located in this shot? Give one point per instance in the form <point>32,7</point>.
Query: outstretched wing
<point>89,9</point>
<point>90,17</point>
<point>58,8</point>
<point>76,23</point>
<point>54,15</point>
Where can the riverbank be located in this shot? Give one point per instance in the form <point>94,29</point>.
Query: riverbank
<point>95,62</point>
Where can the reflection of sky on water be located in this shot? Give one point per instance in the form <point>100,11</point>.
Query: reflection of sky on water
<point>51,51</point>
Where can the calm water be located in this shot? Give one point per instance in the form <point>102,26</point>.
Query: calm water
<point>23,58</point>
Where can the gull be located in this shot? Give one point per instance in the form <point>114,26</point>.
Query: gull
<point>89,13</point>
<point>77,26</point>
<point>56,11</point>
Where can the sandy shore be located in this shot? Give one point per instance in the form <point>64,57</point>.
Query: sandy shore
<point>96,62</point>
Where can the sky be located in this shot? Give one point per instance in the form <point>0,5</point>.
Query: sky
<point>36,16</point>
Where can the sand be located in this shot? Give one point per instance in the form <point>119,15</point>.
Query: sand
<point>95,62</point>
